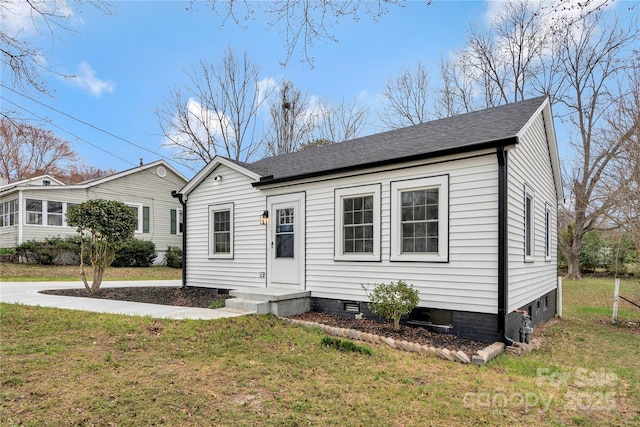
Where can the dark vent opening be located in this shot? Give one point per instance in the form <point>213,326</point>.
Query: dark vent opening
<point>430,316</point>
<point>351,307</point>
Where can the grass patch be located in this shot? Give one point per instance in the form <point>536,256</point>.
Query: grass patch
<point>217,303</point>
<point>345,345</point>
<point>65,367</point>
<point>11,272</point>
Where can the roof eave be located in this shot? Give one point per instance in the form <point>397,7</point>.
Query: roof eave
<point>446,152</point>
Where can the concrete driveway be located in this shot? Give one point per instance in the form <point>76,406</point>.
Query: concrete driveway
<point>27,293</point>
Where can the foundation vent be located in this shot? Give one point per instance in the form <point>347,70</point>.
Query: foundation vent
<point>352,307</point>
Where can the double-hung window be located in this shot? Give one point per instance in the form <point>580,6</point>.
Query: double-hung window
<point>9,213</point>
<point>357,230</point>
<point>420,219</point>
<point>221,231</point>
<point>529,224</point>
<point>548,224</point>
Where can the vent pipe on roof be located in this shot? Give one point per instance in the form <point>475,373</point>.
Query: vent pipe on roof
<point>141,164</point>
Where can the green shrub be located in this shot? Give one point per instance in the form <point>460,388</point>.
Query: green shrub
<point>345,345</point>
<point>173,257</point>
<point>216,303</point>
<point>135,253</point>
<point>7,251</point>
<point>51,251</point>
<point>392,301</point>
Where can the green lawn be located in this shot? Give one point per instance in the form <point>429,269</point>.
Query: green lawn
<point>44,273</point>
<point>62,367</point>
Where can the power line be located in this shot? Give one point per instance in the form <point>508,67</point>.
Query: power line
<point>178,184</point>
<point>97,128</point>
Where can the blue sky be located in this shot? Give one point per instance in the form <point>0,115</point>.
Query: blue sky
<point>128,61</point>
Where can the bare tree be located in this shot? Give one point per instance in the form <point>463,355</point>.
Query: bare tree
<point>408,98</point>
<point>339,123</point>
<point>623,180</point>
<point>581,65</point>
<point>25,62</point>
<point>303,22</point>
<point>293,120</point>
<point>591,65</point>
<point>27,151</point>
<point>218,113</point>
<point>456,95</point>
<point>502,65</point>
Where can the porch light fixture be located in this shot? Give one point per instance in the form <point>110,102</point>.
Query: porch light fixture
<point>217,178</point>
<point>264,219</point>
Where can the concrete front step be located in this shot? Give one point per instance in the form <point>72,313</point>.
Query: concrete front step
<point>258,307</point>
<point>279,302</point>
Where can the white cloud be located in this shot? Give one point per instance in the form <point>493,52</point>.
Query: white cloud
<point>86,79</point>
<point>20,17</point>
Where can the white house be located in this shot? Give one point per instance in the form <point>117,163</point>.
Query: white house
<point>35,209</point>
<point>463,208</point>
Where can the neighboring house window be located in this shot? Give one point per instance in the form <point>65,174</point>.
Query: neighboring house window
<point>529,223</point>
<point>420,219</point>
<point>357,228</point>
<point>221,231</point>
<point>34,211</point>
<point>143,217</point>
<point>43,212</point>
<point>9,213</point>
<point>548,221</point>
<point>54,213</point>
<point>176,221</point>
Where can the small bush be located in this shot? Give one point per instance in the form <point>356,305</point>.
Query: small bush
<point>393,300</point>
<point>173,257</point>
<point>7,251</point>
<point>51,251</point>
<point>135,253</point>
<point>345,345</point>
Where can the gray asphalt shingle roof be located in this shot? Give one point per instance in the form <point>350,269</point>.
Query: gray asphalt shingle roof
<point>461,133</point>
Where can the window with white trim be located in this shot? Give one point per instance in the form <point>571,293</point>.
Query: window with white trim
<point>46,212</point>
<point>176,221</point>
<point>137,210</point>
<point>9,213</point>
<point>357,225</point>
<point>420,219</point>
<point>529,224</point>
<point>548,223</point>
<point>221,231</point>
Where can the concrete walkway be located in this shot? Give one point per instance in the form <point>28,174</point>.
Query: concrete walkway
<point>27,293</point>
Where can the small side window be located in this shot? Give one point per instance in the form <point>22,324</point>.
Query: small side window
<point>529,224</point>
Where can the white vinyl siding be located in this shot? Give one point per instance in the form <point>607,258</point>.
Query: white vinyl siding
<point>468,281</point>
<point>357,223</point>
<point>529,170</point>
<point>247,269</point>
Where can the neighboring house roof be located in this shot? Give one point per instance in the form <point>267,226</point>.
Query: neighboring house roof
<point>36,180</point>
<point>463,133</point>
<point>96,181</point>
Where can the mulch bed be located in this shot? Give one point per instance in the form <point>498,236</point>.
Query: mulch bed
<point>203,297</point>
<point>188,297</point>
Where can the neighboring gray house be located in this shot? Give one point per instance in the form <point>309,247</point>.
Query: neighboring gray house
<point>463,208</point>
<point>35,208</point>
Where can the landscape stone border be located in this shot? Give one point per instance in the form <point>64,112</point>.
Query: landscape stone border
<point>480,358</point>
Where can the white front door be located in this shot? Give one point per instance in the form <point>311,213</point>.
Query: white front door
<point>285,246</point>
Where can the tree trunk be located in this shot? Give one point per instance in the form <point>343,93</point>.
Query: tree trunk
<point>572,254</point>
